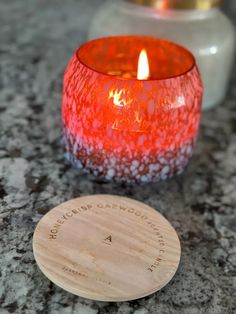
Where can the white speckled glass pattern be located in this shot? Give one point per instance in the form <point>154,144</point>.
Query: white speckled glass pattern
<point>127,129</point>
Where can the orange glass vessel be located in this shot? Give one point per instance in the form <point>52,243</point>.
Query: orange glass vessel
<point>123,128</point>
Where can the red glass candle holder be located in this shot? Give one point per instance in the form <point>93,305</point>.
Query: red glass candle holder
<point>126,129</point>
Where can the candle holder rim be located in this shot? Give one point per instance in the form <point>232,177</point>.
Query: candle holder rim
<point>193,63</point>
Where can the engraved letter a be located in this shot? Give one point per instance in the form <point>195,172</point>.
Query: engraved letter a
<point>108,239</point>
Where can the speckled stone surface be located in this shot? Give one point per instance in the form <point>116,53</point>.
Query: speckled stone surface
<point>37,40</point>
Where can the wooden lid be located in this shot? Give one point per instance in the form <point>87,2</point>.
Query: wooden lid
<point>107,248</point>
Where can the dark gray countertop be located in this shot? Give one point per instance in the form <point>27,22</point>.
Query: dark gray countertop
<point>37,40</point>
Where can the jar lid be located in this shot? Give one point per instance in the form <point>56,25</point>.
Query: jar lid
<point>179,4</point>
<point>107,248</point>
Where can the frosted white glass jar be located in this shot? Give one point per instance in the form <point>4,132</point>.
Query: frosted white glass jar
<point>198,25</point>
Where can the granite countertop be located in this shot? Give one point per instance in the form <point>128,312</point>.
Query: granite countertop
<point>37,40</point>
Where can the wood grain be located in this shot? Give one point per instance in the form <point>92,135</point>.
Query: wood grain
<point>106,248</point>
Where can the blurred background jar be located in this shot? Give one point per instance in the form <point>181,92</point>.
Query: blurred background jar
<point>198,25</point>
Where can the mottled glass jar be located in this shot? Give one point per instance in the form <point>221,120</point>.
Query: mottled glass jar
<point>198,25</point>
<point>127,129</point>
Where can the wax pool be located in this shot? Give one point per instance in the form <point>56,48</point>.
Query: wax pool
<point>127,129</point>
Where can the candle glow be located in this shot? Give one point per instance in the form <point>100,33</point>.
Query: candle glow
<point>118,97</point>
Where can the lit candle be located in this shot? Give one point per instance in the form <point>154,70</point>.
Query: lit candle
<point>131,108</point>
<point>143,69</point>
<point>143,66</point>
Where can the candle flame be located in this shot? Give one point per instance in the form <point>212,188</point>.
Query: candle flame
<point>143,66</point>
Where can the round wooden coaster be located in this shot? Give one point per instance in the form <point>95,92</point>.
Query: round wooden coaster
<point>107,248</point>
